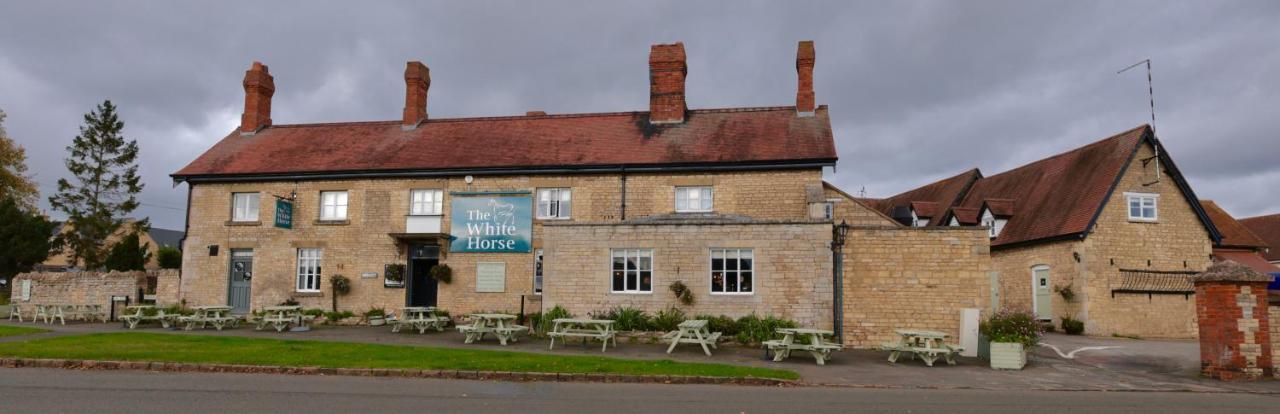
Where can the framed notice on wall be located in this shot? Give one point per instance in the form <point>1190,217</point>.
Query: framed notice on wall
<point>491,277</point>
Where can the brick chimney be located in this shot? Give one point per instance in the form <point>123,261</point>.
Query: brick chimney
<point>417,79</point>
<point>258,88</point>
<point>666,83</point>
<point>804,68</point>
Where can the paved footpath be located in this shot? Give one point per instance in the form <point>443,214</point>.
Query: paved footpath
<point>30,390</point>
<point>1147,365</point>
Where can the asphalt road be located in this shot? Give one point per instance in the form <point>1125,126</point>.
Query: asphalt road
<point>30,390</point>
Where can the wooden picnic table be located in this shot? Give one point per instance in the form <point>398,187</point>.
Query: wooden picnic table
<point>928,345</point>
<point>280,317</point>
<point>217,316</point>
<point>816,346</point>
<point>495,324</point>
<point>692,332</point>
<point>420,318</point>
<point>586,329</point>
<point>136,314</point>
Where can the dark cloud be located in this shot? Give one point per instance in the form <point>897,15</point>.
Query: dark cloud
<point>917,90</point>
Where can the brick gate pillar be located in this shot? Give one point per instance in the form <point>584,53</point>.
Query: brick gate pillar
<point>1231,308</point>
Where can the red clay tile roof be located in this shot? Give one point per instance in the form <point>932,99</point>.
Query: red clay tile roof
<point>1249,258</point>
<point>1058,195</point>
<point>1266,228</point>
<point>966,215</point>
<point>1234,234</point>
<point>925,209</point>
<point>945,192</point>
<point>1000,207</point>
<point>707,137</point>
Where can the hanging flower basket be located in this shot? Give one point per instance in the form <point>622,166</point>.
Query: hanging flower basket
<point>442,273</point>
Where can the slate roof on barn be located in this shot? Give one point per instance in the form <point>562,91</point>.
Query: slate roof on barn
<point>1268,229</point>
<point>740,137</point>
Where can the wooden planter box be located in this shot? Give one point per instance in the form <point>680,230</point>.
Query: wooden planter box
<point>1006,355</point>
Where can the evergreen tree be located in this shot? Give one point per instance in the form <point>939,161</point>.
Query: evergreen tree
<point>25,238</point>
<point>14,182</point>
<point>169,257</point>
<point>128,254</point>
<point>103,189</point>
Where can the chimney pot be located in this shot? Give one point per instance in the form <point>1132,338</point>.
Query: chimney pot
<point>667,71</point>
<point>804,69</point>
<point>259,86</point>
<point>417,79</point>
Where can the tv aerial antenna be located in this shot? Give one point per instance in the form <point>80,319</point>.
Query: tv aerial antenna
<point>1152,96</point>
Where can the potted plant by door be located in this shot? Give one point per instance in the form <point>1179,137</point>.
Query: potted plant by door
<point>376,316</point>
<point>1011,334</point>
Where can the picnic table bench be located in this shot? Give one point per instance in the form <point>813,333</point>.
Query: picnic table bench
<point>692,332</point>
<point>280,317</point>
<point>136,314</point>
<point>420,318</point>
<point>491,324</point>
<point>587,329</point>
<point>928,345</point>
<point>816,346</point>
<point>217,316</point>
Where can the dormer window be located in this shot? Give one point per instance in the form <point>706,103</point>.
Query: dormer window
<point>917,221</point>
<point>994,224</point>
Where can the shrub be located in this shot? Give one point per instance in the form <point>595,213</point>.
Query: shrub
<point>726,326</point>
<point>627,319</point>
<point>316,312</point>
<point>1012,326</point>
<point>544,320</point>
<point>335,317</point>
<point>668,319</point>
<point>754,330</point>
<point>1072,326</point>
<point>169,257</point>
<point>374,313</point>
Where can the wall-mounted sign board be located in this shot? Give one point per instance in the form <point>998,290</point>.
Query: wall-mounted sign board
<point>284,214</point>
<point>491,223</point>
<point>491,277</point>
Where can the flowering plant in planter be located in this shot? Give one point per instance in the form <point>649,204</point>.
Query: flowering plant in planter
<point>1011,333</point>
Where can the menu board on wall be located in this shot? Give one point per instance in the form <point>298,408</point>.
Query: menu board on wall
<point>491,277</point>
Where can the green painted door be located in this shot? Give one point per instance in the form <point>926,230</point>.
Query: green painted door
<point>1044,292</point>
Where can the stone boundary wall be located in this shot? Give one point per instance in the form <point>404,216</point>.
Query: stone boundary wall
<point>94,288</point>
<point>1274,319</point>
<point>912,278</point>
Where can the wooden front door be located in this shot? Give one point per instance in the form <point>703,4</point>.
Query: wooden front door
<point>238,289</point>
<point>1042,287</point>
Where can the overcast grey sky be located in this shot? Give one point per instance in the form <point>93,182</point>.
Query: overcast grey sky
<point>918,90</point>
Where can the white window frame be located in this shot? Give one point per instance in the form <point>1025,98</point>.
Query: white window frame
<point>1142,199</point>
<point>539,271</point>
<point>426,202</point>
<point>737,273</point>
<point>333,205</point>
<point>829,210</point>
<point>245,206</point>
<point>555,203</point>
<point>705,196</point>
<point>310,269</point>
<point>637,254</point>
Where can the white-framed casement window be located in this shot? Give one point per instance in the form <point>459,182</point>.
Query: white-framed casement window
<point>426,202</point>
<point>244,206</point>
<point>829,210</point>
<point>1142,206</point>
<point>554,203</point>
<point>732,271</point>
<point>333,205</point>
<point>632,271</point>
<point>309,269</point>
<point>537,272</point>
<point>693,199</point>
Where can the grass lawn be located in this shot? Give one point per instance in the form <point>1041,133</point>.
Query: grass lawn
<point>137,346</point>
<point>6,330</point>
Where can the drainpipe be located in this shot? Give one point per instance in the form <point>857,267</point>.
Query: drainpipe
<point>837,282</point>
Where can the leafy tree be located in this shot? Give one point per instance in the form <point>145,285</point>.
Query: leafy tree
<point>24,237</point>
<point>103,189</point>
<point>14,182</point>
<point>169,257</point>
<point>128,254</point>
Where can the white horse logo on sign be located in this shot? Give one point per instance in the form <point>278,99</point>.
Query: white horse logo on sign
<point>503,213</point>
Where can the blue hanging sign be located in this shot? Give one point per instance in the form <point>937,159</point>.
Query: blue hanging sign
<point>284,214</point>
<point>490,224</point>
